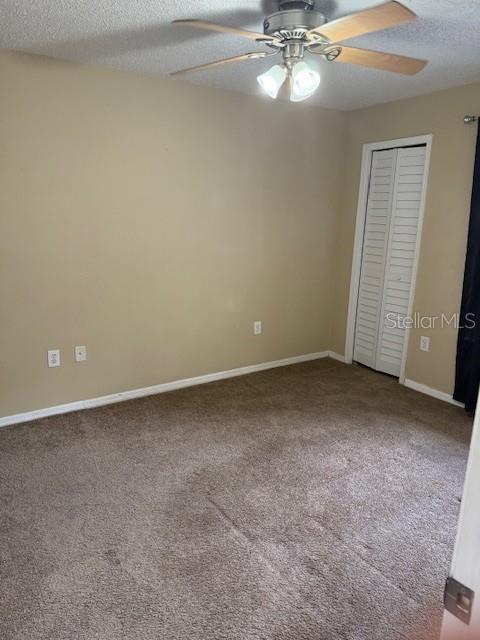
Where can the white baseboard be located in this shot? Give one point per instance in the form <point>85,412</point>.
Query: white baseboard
<point>122,396</point>
<point>336,356</point>
<point>435,393</point>
<point>158,388</point>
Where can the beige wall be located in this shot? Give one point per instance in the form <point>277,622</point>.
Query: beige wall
<point>442,252</point>
<point>154,221</point>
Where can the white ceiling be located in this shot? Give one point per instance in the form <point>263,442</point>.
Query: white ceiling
<point>137,35</point>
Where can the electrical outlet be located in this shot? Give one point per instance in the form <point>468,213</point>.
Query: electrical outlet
<point>80,354</point>
<point>53,357</point>
<point>257,327</point>
<point>424,343</point>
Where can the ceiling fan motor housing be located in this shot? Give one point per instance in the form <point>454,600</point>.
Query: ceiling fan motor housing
<point>306,5</point>
<point>292,24</point>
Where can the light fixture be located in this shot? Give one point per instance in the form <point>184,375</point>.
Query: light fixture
<point>272,80</point>
<point>305,81</point>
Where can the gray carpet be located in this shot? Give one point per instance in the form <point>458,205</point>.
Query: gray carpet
<point>312,502</point>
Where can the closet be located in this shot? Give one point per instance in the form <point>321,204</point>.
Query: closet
<point>397,181</point>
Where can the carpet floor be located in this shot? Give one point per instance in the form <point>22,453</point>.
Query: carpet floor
<point>313,502</point>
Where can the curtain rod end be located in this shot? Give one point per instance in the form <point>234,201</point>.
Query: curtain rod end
<point>470,119</point>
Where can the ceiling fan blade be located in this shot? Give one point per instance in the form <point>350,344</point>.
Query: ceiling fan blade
<point>246,56</point>
<point>390,14</point>
<point>379,60</point>
<point>213,26</point>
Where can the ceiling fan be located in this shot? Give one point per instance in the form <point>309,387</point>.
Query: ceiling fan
<point>297,28</point>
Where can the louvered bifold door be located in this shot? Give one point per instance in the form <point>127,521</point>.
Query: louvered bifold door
<point>375,243</point>
<point>400,258</point>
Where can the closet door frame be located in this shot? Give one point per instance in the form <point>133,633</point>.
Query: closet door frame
<point>367,157</point>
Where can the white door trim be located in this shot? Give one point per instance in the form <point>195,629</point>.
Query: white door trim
<point>367,155</point>
<point>465,565</point>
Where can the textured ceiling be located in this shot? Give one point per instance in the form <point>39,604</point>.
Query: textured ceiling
<point>137,35</point>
